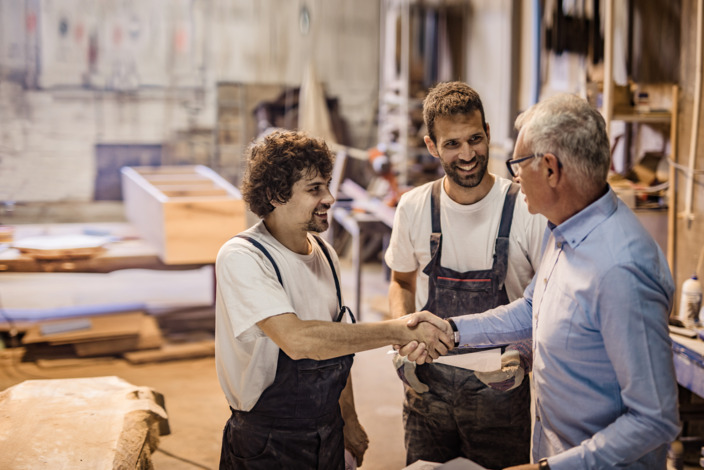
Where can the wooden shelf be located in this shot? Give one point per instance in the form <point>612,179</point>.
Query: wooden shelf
<point>651,117</point>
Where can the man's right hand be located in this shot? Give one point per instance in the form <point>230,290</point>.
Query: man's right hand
<point>421,351</point>
<point>433,337</point>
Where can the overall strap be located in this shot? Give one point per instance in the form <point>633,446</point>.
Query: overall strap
<point>501,246</point>
<point>343,308</point>
<point>266,253</point>
<point>507,213</point>
<point>436,235</point>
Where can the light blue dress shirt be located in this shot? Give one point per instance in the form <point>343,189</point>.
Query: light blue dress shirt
<point>604,384</point>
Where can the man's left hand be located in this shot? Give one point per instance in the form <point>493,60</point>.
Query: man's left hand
<point>356,440</point>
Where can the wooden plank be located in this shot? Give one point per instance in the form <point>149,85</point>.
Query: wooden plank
<point>77,424</point>
<point>195,230</point>
<point>191,192</point>
<point>170,352</point>
<point>102,327</point>
<point>149,337</point>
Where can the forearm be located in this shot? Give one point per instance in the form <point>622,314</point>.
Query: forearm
<point>356,439</point>
<point>502,325</point>
<point>324,340</point>
<point>401,301</point>
<point>402,293</point>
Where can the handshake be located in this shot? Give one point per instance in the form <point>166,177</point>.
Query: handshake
<point>435,337</point>
<point>429,337</point>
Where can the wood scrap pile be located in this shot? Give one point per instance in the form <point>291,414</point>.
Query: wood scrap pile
<point>135,335</point>
<point>96,335</point>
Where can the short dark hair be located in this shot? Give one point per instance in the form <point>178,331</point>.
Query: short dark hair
<point>449,99</point>
<point>276,162</point>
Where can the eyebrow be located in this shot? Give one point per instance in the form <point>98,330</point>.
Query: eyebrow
<point>317,181</point>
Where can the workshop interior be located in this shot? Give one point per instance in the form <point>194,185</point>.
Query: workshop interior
<point>123,132</point>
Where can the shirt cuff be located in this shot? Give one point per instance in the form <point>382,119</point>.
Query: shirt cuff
<point>456,333</point>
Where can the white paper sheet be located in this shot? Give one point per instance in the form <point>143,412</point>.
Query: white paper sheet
<point>459,463</point>
<point>483,361</point>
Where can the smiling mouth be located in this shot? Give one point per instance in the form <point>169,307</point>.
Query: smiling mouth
<point>321,214</point>
<point>469,166</point>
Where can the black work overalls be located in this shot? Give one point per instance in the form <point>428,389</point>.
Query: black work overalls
<point>296,423</point>
<point>464,416</point>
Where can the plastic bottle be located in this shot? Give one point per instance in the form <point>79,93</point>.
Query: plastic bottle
<point>675,456</point>
<point>690,302</point>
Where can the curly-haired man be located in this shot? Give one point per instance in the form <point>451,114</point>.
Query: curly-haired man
<point>284,346</point>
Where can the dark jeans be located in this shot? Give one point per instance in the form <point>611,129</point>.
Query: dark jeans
<point>462,417</point>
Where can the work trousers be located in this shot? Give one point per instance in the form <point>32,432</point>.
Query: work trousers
<point>253,443</point>
<point>461,417</point>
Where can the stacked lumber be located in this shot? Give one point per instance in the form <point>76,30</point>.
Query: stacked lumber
<point>136,336</point>
<point>97,335</point>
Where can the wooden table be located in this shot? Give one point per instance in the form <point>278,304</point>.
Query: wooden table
<point>128,251</point>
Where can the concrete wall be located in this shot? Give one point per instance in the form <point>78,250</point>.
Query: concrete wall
<point>76,73</point>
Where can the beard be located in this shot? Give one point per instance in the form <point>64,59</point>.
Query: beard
<point>317,225</point>
<point>464,180</point>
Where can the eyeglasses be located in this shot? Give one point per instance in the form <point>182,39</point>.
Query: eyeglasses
<point>512,164</point>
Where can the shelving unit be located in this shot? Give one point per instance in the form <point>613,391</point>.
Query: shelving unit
<point>631,115</point>
<point>401,92</point>
<point>236,125</point>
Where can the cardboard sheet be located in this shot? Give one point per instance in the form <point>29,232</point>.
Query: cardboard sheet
<point>483,361</point>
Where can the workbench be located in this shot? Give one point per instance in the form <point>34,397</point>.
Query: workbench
<point>127,250</point>
<point>688,355</point>
<point>124,250</point>
<point>85,423</point>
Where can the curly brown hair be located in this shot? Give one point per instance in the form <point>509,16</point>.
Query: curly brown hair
<point>276,162</point>
<point>448,99</point>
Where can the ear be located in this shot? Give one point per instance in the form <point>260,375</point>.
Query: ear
<point>553,169</point>
<point>431,146</point>
<point>270,198</point>
<point>488,133</point>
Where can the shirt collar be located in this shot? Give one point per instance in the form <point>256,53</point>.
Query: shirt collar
<point>575,229</point>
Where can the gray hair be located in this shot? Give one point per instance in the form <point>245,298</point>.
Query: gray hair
<point>574,131</point>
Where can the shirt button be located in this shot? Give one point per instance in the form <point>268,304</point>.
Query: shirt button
<point>559,245</point>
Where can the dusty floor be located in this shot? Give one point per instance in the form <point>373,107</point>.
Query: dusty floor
<point>195,405</point>
<point>194,402</point>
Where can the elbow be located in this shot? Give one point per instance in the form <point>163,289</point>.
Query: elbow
<point>298,350</point>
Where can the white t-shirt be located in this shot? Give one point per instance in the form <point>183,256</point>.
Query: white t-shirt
<point>248,291</point>
<point>468,237</point>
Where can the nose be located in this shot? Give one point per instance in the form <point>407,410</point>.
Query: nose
<point>467,152</point>
<point>328,197</point>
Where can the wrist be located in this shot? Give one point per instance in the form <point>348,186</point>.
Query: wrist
<point>455,332</point>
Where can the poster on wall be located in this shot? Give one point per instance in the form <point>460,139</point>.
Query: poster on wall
<point>18,40</point>
<point>117,45</point>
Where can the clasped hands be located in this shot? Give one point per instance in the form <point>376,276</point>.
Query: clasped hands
<point>433,337</point>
